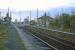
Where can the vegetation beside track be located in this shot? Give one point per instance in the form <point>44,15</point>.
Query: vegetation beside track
<point>5,34</point>
<point>60,35</point>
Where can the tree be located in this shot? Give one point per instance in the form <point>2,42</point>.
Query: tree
<point>72,23</point>
<point>65,21</point>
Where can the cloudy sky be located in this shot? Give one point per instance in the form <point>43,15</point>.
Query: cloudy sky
<point>34,4</point>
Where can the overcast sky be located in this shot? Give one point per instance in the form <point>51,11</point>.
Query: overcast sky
<point>34,4</point>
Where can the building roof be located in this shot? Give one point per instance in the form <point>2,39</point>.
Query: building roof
<point>45,18</point>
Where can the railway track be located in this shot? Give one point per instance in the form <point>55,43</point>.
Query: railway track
<point>58,45</point>
<point>39,42</point>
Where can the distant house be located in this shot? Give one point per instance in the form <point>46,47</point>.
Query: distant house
<point>26,21</point>
<point>33,22</point>
<point>44,20</point>
<point>7,19</point>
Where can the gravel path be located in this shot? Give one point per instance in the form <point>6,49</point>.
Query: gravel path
<point>12,45</point>
<point>27,40</point>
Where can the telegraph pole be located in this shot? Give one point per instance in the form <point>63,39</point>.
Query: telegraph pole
<point>30,17</point>
<point>37,14</point>
<point>20,16</point>
<point>62,18</point>
<point>58,19</point>
<point>28,20</point>
<point>8,12</point>
<point>10,17</point>
<point>62,11</point>
<point>37,18</point>
<point>0,15</point>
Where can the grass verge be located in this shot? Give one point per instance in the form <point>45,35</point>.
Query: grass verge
<point>4,35</point>
<point>20,43</point>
